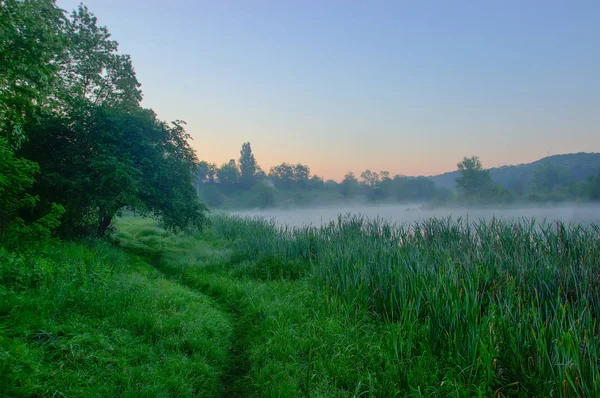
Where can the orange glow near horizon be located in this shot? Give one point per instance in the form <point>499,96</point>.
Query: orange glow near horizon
<point>406,87</point>
<point>336,165</point>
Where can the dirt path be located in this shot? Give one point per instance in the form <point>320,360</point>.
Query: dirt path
<point>234,380</point>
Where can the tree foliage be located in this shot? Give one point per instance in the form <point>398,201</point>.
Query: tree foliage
<point>228,174</point>
<point>547,177</point>
<point>282,174</point>
<point>31,40</point>
<point>286,175</point>
<point>473,179</point>
<point>592,188</point>
<point>207,173</point>
<point>113,160</point>
<point>98,151</point>
<point>247,166</point>
<point>369,178</point>
<point>17,176</point>
<point>92,69</point>
<point>349,185</point>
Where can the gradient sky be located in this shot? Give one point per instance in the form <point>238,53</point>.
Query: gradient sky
<point>405,86</point>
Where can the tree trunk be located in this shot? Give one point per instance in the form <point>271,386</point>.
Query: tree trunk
<point>104,221</point>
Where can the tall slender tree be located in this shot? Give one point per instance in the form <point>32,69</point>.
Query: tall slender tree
<point>247,166</point>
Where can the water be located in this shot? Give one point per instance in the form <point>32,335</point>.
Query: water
<point>402,213</point>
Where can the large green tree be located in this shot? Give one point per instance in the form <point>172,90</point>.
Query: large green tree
<point>473,179</point>
<point>115,159</point>
<point>97,149</point>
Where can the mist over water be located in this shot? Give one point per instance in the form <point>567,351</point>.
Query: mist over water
<point>403,213</point>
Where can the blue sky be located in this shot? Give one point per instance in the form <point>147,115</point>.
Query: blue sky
<point>405,86</point>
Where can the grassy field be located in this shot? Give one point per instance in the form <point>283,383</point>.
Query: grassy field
<point>356,308</point>
<point>85,319</point>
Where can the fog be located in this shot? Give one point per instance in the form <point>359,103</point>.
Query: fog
<point>403,213</point>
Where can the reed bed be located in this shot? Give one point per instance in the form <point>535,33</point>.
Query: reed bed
<point>513,305</point>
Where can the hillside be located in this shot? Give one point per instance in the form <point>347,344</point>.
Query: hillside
<point>578,165</point>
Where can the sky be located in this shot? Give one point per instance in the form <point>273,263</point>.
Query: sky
<point>404,86</point>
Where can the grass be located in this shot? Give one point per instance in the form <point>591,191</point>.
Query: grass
<point>356,308</point>
<point>484,308</point>
<point>85,320</point>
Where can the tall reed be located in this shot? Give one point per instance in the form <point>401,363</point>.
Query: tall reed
<point>509,303</point>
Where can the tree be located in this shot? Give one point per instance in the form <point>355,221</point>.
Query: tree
<point>349,185</point>
<point>228,174</point>
<point>282,175</point>
<point>262,196</point>
<point>592,187</point>
<point>316,182</point>
<point>369,178</point>
<point>31,39</point>
<point>473,179</point>
<point>385,186</point>
<point>301,175</point>
<point>207,173</point>
<point>247,166</point>
<point>97,150</point>
<point>547,177</point>
<point>92,70</point>
<point>332,185</point>
<point>111,160</point>
<point>212,196</point>
<point>260,174</point>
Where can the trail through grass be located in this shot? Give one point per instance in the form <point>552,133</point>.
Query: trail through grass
<point>84,320</point>
<point>357,308</point>
<point>364,308</point>
<point>140,238</point>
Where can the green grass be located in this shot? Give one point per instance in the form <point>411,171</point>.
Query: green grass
<point>85,320</point>
<point>476,309</point>
<point>356,308</point>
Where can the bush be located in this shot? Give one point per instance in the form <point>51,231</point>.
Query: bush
<point>16,178</point>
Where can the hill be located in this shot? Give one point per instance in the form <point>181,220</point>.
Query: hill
<point>579,167</point>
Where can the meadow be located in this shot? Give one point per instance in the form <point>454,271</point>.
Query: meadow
<point>355,307</point>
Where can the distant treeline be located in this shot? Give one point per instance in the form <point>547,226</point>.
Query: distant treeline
<point>243,183</point>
